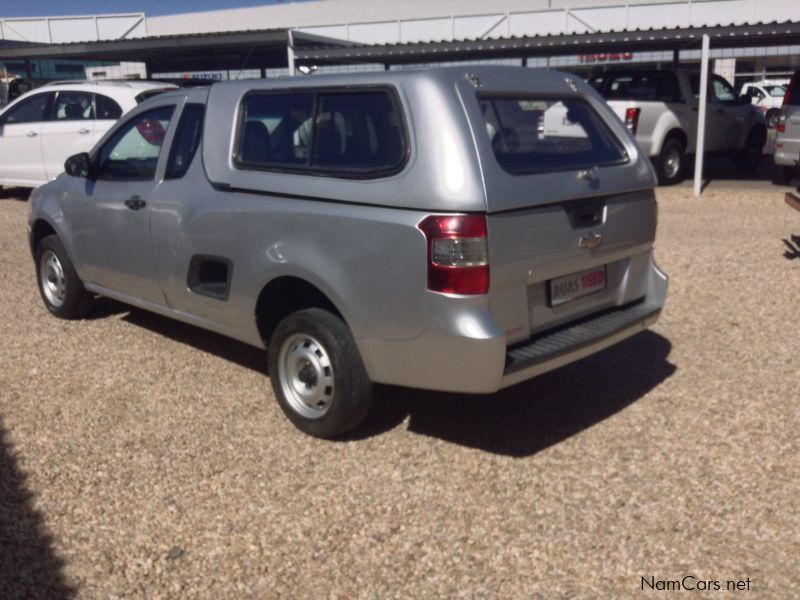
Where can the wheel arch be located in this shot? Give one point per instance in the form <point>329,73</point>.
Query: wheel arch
<point>668,123</point>
<point>680,135</point>
<point>40,229</point>
<point>284,295</point>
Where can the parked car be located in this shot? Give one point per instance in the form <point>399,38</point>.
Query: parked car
<point>660,109</point>
<point>408,228</point>
<point>767,96</point>
<point>787,135</point>
<point>43,127</point>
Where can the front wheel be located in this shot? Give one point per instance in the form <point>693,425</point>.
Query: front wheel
<point>317,373</point>
<point>59,285</point>
<point>670,163</point>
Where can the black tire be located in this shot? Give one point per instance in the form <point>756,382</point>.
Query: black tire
<point>750,156</point>
<point>773,115</point>
<point>65,297</point>
<point>789,175</point>
<point>673,151</point>
<point>313,352</point>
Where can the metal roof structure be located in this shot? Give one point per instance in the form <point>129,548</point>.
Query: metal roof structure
<point>728,36</point>
<point>14,44</point>
<point>183,52</point>
<point>267,48</point>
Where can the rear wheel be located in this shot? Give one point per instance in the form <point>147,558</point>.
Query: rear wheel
<point>318,376</point>
<point>773,115</point>
<point>750,155</point>
<point>670,163</point>
<point>59,285</point>
<point>789,175</point>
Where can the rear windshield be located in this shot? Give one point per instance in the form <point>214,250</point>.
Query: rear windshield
<point>534,135</point>
<point>778,91</point>
<point>142,96</point>
<point>652,86</point>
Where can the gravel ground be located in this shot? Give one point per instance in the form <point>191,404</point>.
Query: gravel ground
<point>141,458</point>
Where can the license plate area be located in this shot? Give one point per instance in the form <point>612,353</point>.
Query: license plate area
<point>577,285</point>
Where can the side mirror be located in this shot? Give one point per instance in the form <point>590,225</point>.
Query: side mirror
<point>747,97</point>
<point>79,165</point>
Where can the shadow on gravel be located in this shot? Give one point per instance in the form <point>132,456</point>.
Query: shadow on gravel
<point>242,354</point>
<point>29,567</point>
<point>536,414</point>
<point>519,421</point>
<point>792,251</point>
<point>15,193</point>
<point>718,170</point>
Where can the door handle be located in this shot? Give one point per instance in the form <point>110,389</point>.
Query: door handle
<point>135,203</point>
<point>32,134</point>
<point>83,130</point>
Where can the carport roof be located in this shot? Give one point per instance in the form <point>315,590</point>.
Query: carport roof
<point>722,36</point>
<point>198,51</point>
<point>267,47</point>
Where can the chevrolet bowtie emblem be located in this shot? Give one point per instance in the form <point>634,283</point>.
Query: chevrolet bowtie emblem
<point>590,241</point>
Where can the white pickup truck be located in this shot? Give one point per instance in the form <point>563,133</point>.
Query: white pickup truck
<point>660,109</point>
<point>767,97</point>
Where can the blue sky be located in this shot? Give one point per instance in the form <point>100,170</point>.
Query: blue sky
<point>48,8</point>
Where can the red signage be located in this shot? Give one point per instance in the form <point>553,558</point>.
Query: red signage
<point>605,57</point>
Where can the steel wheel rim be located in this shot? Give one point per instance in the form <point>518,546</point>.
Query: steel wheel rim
<point>51,277</point>
<point>672,163</point>
<point>772,121</point>
<point>305,373</point>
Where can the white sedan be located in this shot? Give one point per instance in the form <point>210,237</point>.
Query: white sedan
<point>41,129</point>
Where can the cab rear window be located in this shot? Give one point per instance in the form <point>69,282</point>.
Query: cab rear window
<point>535,135</point>
<point>354,133</point>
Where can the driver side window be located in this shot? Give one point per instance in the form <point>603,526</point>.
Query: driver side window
<point>31,110</point>
<point>132,152</point>
<point>723,92</point>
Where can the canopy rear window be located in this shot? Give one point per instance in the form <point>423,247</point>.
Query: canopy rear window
<point>535,135</point>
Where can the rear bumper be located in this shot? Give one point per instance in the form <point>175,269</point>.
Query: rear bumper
<point>463,350</point>
<point>788,154</point>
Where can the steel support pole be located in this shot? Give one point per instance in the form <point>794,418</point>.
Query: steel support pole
<point>290,53</point>
<point>701,118</point>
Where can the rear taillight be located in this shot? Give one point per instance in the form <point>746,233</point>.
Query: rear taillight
<point>787,100</point>
<point>632,119</point>
<point>152,131</point>
<point>787,97</point>
<point>458,253</point>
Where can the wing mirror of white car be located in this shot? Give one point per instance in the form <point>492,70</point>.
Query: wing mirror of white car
<point>79,165</point>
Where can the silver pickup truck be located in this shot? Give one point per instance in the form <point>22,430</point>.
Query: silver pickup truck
<point>421,229</point>
<point>787,136</point>
<point>660,109</point>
